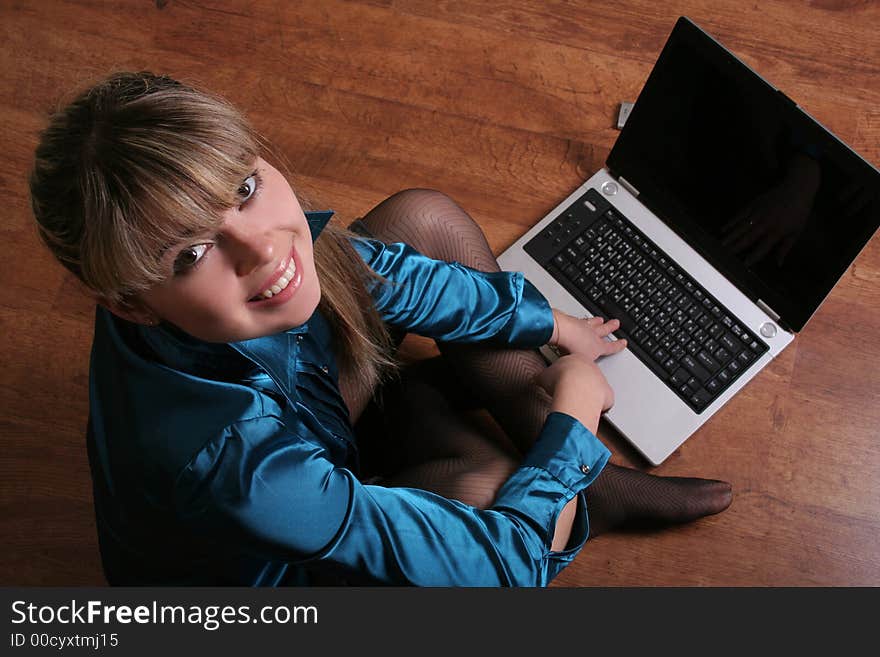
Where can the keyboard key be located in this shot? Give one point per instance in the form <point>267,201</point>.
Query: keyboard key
<point>707,361</point>
<point>713,386</point>
<point>701,398</point>
<point>730,343</point>
<point>692,366</point>
<point>670,364</point>
<point>745,357</point>
<point>722,355</point>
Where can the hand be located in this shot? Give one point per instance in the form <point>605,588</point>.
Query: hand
<point>585,337</point>
<point>578,388</point>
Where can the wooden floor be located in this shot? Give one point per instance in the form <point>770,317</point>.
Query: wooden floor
<point>507,107</point>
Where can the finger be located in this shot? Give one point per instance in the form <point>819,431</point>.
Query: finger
<point>595,321</point>
<point>608,327</point>
<point>615,347</point>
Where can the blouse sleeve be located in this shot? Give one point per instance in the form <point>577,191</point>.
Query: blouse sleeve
<point>274,494</point>
<point>452,302</point>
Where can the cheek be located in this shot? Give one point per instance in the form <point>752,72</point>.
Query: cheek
<point>203,298</point>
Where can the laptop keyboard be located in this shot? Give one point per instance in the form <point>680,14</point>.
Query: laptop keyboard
<point>685,336</point>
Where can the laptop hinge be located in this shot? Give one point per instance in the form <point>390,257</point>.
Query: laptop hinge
<point>628,186</point>
<point>767,309</point>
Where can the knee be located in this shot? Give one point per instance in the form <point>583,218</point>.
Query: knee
<point>424,211</point>
<point>426,200</point>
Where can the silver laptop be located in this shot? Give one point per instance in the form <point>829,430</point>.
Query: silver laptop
<point>723,218</point>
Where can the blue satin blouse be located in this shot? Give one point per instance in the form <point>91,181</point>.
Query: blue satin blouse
<point>236,464</point>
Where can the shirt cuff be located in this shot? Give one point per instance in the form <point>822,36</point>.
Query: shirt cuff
<point>532,322</point>
<point>565,459</point>
<point>569,451</point>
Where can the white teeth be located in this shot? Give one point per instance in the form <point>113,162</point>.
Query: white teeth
<point>282,282</point>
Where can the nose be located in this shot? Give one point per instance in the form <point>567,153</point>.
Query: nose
<point>249,249</point>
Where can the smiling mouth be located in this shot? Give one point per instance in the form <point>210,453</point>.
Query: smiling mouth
<point>280,284</point>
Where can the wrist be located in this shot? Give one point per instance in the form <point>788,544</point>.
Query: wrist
<point>585,408</point>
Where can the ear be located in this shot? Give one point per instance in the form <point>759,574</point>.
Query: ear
<point>131,309</point>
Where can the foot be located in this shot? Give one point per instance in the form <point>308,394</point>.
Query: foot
<point>623,498</point>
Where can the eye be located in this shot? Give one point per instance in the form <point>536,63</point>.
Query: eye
<point>248,189</point>
<point>190,257</point>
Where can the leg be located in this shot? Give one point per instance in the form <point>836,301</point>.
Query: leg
<point>438,448</point>
<point>501,379</point>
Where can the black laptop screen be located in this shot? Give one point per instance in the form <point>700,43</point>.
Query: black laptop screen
<point>764,192</point>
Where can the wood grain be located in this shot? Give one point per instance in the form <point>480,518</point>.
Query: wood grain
<point>507,107</point>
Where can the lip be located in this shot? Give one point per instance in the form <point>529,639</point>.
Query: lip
<point>287,292</point>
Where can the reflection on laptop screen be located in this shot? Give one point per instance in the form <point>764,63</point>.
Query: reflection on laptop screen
<point>768,195</point>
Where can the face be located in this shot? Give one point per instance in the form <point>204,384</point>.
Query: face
<point>254,277</point>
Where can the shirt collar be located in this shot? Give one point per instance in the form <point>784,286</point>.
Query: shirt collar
<point>317,221</point>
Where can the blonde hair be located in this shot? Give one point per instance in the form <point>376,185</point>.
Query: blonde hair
<point>139,161</point>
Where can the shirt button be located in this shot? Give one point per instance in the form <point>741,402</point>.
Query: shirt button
<point>299,338</point>
<point>585,468</point>
<point>325,369</point>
